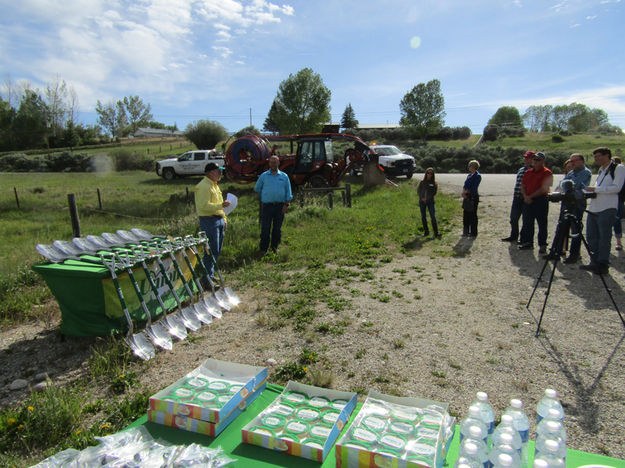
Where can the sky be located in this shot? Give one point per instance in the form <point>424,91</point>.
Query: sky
<point>223,60</point>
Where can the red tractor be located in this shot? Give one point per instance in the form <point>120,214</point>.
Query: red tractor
<point>319,160</point>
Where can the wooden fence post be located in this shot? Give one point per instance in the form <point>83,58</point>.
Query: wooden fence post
<point>73,213</point>
<point>99,199</point>
<point>17,199</point>
<point>348,194</point>
<point>330,199</point>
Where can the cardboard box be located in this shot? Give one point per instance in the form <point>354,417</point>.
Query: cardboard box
<point>303,421</point>
<point>211,392</point>
<point>397,432</point>
<point>204,427</point>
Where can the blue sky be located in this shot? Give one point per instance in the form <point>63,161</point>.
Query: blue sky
<point>217,59</point>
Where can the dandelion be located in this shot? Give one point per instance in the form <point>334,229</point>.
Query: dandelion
<point>305,369</point>
<point>105,426</point>
<point>78,432</point>
<point>30,408</point>
<point>11,421</point>
<point>20,427</point>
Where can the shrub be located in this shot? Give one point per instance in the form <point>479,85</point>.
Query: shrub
<point>68,162</point>
<point>126,160</point>
<point>557,138</point>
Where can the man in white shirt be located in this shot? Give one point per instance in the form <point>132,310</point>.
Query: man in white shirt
<point>602,210</point>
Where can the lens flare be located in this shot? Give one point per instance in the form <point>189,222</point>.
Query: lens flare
<point>415,42</point>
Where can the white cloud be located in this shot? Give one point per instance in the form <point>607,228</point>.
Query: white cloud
<point>589,18</point>
<point>610,98</point>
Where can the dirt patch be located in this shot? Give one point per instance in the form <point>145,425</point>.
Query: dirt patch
<point>454,323</point>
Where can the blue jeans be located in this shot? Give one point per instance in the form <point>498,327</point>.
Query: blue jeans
<point>430,207</point>
<point>271,216</point>
<point>599,232</point>
<point>537,211</point>
<point>214,227</point>
<point>516,210</point>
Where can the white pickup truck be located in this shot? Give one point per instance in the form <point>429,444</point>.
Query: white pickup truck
<point>393,161</point>
<point>191,163</point>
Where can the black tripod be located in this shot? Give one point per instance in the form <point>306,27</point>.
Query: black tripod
<point>567,221</point>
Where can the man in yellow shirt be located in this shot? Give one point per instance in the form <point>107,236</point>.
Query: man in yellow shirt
<point>209,206</point>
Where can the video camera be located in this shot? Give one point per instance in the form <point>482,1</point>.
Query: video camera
<point>567,196</point>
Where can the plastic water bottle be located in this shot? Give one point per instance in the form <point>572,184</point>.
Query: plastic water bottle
<point>549,457</point>
<point>520,421</point>
<point>506,426</point>
<point>504,460</point>
<point>476,439</point>
<point>551,430</point>
<point>486,411</point>
<point>468,457</point>
<point>506,441</point>
<point>547,402</point>
<point>473,419</point>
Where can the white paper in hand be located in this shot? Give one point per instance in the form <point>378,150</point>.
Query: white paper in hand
<point>233,203</point>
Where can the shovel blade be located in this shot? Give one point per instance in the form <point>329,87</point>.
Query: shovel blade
<point>233,298</point>
<point>175,326</point>
<point>159,336</point>
<point>190,320</point>
<point>222,299</point>
<point>214,307</point>
<point>141,346</point>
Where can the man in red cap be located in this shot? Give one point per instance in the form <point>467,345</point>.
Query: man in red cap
<point>535,186</point>
<point>517,200</point>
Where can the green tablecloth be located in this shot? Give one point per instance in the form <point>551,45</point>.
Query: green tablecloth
<point>88,300</point>
<point>257,457</point>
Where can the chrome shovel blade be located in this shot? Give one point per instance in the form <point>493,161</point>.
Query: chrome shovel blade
<point>213,307</point>
<point>159,336</point>
<point>175,326</point>
<point>222,299</point>
<point>233,299</point>
<point>141,346</point>
<point>190,320</point>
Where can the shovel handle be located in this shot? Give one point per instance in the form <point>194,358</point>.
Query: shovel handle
<point>161,266</point>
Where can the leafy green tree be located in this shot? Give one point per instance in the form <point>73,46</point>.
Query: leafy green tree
<point>506,116</point>
<point>137,112</point>
<point>249,130</point>
<point>423,109</point>
<point>7,116</point>
<point>205,134</point>
<point>30,126</point>
<point>349,117</point>
<point>302,103</point>
<point>270,124</point>
<point>112,117</point>
<point>538,118</point>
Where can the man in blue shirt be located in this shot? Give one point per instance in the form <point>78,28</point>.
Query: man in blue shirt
<point>580,175</point>
<point>274,188</point>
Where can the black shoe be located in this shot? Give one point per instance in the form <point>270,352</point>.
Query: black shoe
<point>552,256</point>
<point>543,249</point>
<point>571,259</point>
<point>508,239</point>
<point>590,267</point>
<point>426,233</point>
<point>525,246</point>
<point>602,269</point>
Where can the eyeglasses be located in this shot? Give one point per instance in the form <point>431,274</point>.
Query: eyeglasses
<point>537,159</point>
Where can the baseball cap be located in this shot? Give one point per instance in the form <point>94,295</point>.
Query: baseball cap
<point>529,154</point>
<point>212,167</point>
<point>539,155</point>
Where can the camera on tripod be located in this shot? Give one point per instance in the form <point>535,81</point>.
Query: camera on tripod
<point>567,196</point>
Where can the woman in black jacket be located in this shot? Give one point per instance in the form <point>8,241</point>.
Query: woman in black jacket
<point>427,190</point>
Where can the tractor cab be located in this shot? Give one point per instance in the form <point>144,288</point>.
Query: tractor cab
<point>312,155</point>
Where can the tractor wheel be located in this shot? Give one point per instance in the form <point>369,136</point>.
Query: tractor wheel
<point>317,181</point>
<point>169,173</point>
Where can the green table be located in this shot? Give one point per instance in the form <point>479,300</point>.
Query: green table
<point>257,457</point>
<point>88,300</point>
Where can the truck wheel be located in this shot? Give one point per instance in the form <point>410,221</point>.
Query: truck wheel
<point>409,176</point>
<point>169,173</point>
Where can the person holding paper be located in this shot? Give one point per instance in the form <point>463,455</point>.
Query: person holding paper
<point>209,206</point>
